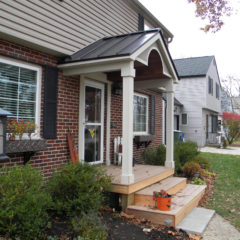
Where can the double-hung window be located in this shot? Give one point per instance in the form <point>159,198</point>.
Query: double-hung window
<point>20,90</point>
<point>140,114</point>
<point>217,90</point>
<point>210,85</point>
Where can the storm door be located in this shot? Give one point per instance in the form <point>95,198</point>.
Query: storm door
<point>93,122</point>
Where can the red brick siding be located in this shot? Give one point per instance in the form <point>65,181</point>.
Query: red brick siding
<point>57,152</point>
<point>116,118</point>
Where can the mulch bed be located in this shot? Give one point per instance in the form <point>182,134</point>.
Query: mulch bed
<point>121,226</point>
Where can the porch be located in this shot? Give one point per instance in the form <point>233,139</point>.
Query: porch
<point>135,61</point>
<point>144,176</point>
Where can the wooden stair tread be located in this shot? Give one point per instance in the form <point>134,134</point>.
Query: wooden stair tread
<point>179,201</point>
<point>165,184</point>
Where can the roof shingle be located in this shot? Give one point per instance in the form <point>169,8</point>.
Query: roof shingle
<point>192,67</point>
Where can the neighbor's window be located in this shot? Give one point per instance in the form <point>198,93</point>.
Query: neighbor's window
<point>184,119</point>
<point>217,91</point>
<point>18,95</point>
<point>140,114</point>
<point>210,85</point>
<point>214,124</point>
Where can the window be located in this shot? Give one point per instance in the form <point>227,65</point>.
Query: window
<point>184,119</point>
<point>210,85</point>
<point>217,91</point>
<point>214,123</point>
<point>140,114</point>
<point>20,90</point>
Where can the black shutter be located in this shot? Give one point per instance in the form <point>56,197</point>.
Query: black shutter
<point>50,103</point>
<point>152,116</point>
<point>140,22</point>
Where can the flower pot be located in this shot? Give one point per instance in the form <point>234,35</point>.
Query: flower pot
<point>164,204</point>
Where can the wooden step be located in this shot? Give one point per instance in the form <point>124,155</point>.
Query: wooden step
<point>171,185</point>
<point>182,203</point>
<point>144,176</point>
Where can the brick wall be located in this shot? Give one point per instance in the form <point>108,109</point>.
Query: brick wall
<point>56,153</point>
<point>116,119</point>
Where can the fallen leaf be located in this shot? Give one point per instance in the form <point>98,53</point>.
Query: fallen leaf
<point>195,236</point>
<point>171,233</point>
<point>122,214</point>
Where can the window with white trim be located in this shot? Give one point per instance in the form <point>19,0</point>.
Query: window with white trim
<point>184,118</point>
<point>20,90</point>
<point>140,114</point>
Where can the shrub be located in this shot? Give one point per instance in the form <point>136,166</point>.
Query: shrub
<point>231,124</point>
<point>89,227</point>
<point>190,169</point>
<point>185,151</point>
<point>198,181</point>
<point>78,188</point>
<point>155,156</point>
<point>202,161</point>
<point>23,205</point>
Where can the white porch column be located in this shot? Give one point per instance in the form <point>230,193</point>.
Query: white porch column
<point>169,126</point>
<point>128,74</point>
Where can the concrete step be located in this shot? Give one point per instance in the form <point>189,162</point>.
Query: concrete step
<point>182,203</point>
<point>171,185</point>
<point>196,221</point>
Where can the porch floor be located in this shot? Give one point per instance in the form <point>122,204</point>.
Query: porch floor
<point>144,175</point>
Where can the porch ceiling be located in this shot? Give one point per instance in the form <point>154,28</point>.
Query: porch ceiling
<point>147,49</point>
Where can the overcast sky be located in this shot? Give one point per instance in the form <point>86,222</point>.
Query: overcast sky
<point>189,41</point>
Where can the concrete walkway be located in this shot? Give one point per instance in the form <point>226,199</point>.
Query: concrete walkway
<point>220,229</point>
<point>228,150</point>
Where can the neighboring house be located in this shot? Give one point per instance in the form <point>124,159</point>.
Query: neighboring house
<point>86,66</point>
<point>236,105</point>
<point>199,91</point>
<point>226,102</point>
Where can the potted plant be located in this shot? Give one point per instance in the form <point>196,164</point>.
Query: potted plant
<point>163,200</point>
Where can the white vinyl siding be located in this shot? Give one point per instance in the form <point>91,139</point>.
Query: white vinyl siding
<point>20,92</point>
<point>140,114</point>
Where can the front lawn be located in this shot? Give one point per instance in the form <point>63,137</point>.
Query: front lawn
<point>226,197</point>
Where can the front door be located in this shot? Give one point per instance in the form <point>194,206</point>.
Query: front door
<point>93,122</point>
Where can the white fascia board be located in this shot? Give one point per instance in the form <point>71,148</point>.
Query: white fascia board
<point>168,62</point>
<point>96,61</point>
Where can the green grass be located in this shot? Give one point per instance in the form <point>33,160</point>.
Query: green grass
<point>226,197</point>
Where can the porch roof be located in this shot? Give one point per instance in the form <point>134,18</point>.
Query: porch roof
<point>115,46</point>
<point>110,53</point>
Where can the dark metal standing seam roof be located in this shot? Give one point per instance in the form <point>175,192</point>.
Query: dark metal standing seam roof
<point>116,46</point>
<point>190,67</point>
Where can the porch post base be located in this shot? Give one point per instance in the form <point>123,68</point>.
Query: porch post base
<point>169,164</point>
<point>127,179</point>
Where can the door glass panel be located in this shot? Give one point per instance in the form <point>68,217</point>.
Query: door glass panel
<point>92,105</point>
<point>92,143</point>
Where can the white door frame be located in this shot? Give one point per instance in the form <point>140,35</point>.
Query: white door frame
<point>83,83</point>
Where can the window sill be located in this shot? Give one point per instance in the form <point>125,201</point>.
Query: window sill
<point>143,140</point>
